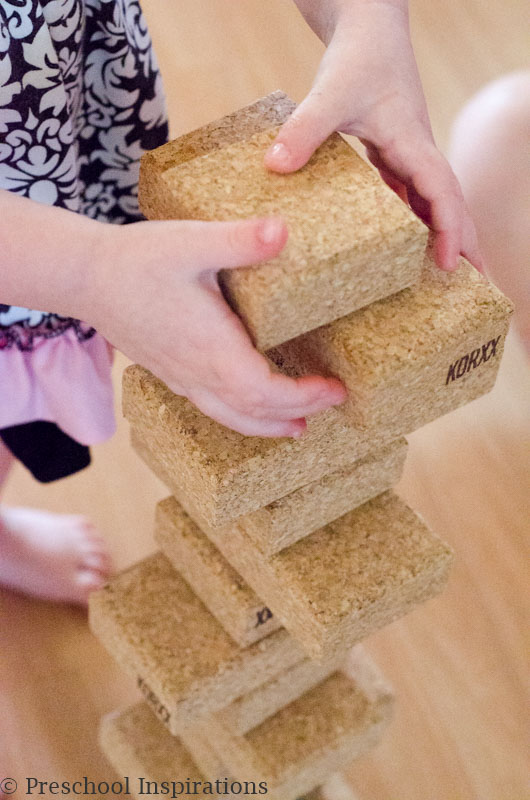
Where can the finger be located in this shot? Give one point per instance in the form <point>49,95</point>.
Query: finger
<point>470,246</point>
<point>429,178</point>
<point>246,381</point>
<point>305,130</point>
<point>224,245</point>
<point>389,178</point>
<point>214,407</point>
<point>283,398</point>
<point>393,183</point>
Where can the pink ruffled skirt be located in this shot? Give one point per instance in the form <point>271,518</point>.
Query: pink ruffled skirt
<point>62,380</point>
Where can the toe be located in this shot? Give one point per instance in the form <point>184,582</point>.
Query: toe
<point>88,581</point>
<point>95,561</point>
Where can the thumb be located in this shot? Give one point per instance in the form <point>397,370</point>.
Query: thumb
<point>204,246</point>
<point>305,130</point>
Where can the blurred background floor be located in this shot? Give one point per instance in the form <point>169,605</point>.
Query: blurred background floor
<point>458,663</point>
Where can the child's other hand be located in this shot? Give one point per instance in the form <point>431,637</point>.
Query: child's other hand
<point>157,299</point>
<point>368,85</point>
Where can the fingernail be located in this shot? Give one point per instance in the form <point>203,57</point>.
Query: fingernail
<point>340,396</point>
<point>279,152</point>
<point>299,429</point>
<point>270,230</point>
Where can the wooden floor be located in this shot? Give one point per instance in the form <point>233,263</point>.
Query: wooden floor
<point>458,663</point>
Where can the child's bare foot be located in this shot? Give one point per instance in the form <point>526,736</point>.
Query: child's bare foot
<point>57,557</point>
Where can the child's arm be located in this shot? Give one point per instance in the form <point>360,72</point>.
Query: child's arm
<point>151,289</point>
<point>368,85</point>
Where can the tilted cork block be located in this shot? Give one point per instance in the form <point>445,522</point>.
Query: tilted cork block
<point>351,239</point>
<point>315,735</point>
<point>406,361</point>
<point>410,358</point>
<point>222,590</point>
<point>186,664</point>
<point>341,583</point>
<point>288,519</point>
<point>221,475</point>
<point>255,707</point>
<point>140,747</point>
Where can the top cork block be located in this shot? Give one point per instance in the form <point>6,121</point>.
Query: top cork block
<point>351,239</point>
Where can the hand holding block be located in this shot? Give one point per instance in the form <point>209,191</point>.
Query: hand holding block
<point>138,745</point>
<point>338,585</point>
<point>186,664</point>
<point>412,357</point>
<point>351,239</point>
<point>317,734</point>
<point>406,361</point>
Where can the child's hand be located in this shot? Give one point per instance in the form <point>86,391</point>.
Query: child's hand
<point>157,299</point>
<point>368,85</point>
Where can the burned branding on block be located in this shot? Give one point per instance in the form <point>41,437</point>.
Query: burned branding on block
<point>472,360</point>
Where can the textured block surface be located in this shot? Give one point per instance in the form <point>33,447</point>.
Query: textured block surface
<point>288,519</point>
<point>255,707</point>
<point>222,590</point>
<point>412,357</point>
<point>219,474</point>
<point>158,630</point>
<point>317,734</point>
<point>139,746</point>
<point>341,583</point>
<point>351,239</point>
<point>407,360</point>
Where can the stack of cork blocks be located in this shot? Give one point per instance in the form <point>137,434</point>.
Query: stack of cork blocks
<point>278,556</point>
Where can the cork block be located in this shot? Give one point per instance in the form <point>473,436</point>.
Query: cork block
<point>341,583</point>
<point>221,475</point>
<point>312,737</point>
<point>406,361</point>
<point>255,707</point>
<point>225,594</point>
<point>410,358</point>
<point>140,747</point>
<point>185,663</point>
<point>351,239</point>
<point>288,519</point>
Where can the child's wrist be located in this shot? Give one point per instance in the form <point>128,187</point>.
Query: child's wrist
<point>95,261</point>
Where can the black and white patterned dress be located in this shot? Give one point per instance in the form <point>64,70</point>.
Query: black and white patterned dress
<point>80,101</point>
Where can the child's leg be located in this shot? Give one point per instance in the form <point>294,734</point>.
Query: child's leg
<point>6,462</point>
<point>56,557</point>
<point>490,153</point>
